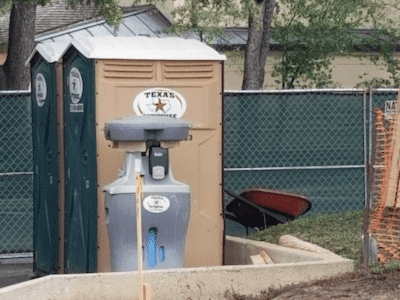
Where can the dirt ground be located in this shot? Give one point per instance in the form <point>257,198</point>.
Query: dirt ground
<point>355,285</point>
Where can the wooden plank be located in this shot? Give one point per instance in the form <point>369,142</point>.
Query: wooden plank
<point>266,257</point>
<point>145,291</point>
<point>394,164</point>
<point>293,242</point>
<point>257,260</point>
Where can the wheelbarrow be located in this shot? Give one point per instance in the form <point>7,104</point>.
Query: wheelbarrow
<point>262,208</point>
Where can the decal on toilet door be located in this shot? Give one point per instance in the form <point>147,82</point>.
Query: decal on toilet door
<point>41,89</point>
<point>159,102</point>
<point>75,90</point>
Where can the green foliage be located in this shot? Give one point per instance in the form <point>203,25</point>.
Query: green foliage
<point>11,2</point>
<point>339,232</point>
<point>112,12</point>
<point>208,18</point>
<point>205,18</point>
<point>382,43</point>
<point>310,32</point>
<point>5,6</point>
<point>378,267</point>
<point>110,9</point>
<point>235,58</point>
<point>375,82</point>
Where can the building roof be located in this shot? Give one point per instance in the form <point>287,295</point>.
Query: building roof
<point>148,22</point>
<point>57,21</point>
<point>137,21</point>
<point>143,21</point>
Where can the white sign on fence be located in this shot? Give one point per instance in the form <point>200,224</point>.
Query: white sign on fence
<point>390,107</point>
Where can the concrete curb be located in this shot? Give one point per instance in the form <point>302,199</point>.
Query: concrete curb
<point>291,266</point>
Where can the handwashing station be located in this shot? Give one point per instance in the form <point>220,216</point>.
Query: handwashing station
<point>166,202</point>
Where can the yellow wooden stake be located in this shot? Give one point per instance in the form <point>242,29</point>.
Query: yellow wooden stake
<point>144,288</point>
<point>393,183</point>
<point>266,257</point>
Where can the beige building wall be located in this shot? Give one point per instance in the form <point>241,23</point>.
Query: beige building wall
<point>346,71</point>
<point>166,8</point>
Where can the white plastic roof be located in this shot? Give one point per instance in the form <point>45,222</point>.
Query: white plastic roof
<point>50,51</point>
<point>144,48</point>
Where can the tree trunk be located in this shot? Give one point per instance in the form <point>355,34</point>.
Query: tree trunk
<point>257,47</point>
<point>20,45</point>
<point>2,79</point>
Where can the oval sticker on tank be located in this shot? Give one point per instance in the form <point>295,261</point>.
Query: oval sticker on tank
<point>156,204</point>
<point>159,102</point>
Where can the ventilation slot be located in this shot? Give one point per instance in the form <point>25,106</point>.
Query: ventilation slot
<point>129,69</point>
<point>188,70</point>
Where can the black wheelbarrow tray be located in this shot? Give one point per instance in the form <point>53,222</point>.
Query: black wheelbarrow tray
<point>262,208</point>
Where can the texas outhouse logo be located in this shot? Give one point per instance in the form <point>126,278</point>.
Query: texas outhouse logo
<point>159,102</point>
<point>156,204</point>
<point>41,89</point>
<point>75,90</point>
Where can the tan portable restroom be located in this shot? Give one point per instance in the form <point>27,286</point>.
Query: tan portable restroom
<point>148,76</point>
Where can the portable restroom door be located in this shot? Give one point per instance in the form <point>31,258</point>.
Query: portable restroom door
<point>44,125</point>
<point>80,164</point>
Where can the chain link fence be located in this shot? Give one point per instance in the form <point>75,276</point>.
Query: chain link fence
<point>312,142</point>
<point>16,177</point>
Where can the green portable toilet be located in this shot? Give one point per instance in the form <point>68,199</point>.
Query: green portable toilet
<point>80,242</point>
<point>44,63</point>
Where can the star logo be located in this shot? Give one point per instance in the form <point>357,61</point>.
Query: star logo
<point>159,105</point>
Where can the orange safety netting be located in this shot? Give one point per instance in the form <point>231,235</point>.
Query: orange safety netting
<point>384,218</point>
